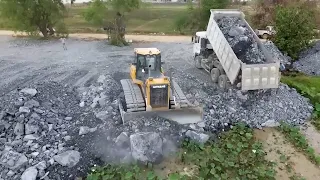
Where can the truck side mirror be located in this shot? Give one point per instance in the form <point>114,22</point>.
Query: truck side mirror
<point>162,62</point>
<point>192,38</point>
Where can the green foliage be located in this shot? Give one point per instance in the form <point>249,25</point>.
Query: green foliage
<point>116,173</point>
<point>236,156</point>
<point>309,87</point>
<point>206,5</point>
<point>294,135</point>
<point>61,29</point>
<point>128,172</point>
<point>294,26</point>
<point>123,6</point>
<point>197,18</point>
<point>31,16</point>
<point>96,12</point>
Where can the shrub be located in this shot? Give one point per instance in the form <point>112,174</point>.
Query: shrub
<point>294,26</point>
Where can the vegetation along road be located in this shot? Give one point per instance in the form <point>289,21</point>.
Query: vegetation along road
<point>59,116</point>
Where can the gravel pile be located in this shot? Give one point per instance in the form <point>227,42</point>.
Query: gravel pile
<point>241,40</point>
<point>257,109</point>
<point>309,61</point>
<point>49,132</point>
<point>35,125</point>
<point>276,53</point>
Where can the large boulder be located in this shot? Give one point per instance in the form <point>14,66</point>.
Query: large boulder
<point>30,174</point>
<point>146,147</point>
<point>68,158</point>
<point>13,160</point>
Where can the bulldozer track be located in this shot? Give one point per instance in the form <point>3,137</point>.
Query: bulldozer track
<point>133,96</point>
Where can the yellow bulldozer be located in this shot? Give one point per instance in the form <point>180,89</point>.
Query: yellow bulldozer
<point>150,92</point>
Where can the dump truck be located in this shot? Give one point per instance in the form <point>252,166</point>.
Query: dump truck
<point>213,53</point>
<point>149,92</point>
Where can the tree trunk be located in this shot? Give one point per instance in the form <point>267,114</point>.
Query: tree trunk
<point>51,31</point>
<point>44,31</point>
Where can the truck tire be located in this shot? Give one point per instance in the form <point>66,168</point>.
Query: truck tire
<point>197,62</point>
<point>265,36</point>
<point>215,73</point>
<point>223,80</point>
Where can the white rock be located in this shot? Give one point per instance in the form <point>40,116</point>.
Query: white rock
<point>69,158</point>
<point>29,91</point>
<point>30,174</point>
<point>198,137</point>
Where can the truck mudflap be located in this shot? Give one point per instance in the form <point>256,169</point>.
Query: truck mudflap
<point>260,76</point>
<point>187,115</point>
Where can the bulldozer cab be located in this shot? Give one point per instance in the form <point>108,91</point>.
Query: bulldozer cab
<point>148,63</point>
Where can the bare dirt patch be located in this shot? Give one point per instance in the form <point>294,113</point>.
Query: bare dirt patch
<point>133,37</point>
<point>312,135</point>
<point>290,163</point>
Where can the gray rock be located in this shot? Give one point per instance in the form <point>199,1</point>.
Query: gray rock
<point>67,138</point>
<point>81,104</point>
<point>31,128</point>
<point>101,78</point>
<point>69,158</point>
<point>19,129</point>
<point>35,116</point>
<point>85,130</point>
<point>146,147</point>
<point>103,115</point>
<point>13,160</point>
<point>41,165</point>
<point>30,174</point>
<point>30,137</point>
<point>29,91</point>
<point>123,140</point>
<point>11,173</point>
<point>35,154</point>
<point>24,109</point>
<point>68,118</point>
<point>2,114</point>
<point>198,137</point>
<point>270,123</point>
<point>31,103</point>
<point>37,110</point>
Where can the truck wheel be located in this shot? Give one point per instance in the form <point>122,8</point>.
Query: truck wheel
<point>265,36</point>
<point>223,80</point>
<point>215,73</point>
<point>197,62</point>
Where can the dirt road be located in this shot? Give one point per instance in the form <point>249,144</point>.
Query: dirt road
<point>134,38</point>
<point>24,61</point>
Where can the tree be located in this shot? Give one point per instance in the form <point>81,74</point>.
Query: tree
<point>294,25</point>
<point>197,18</point>
<point>33,15</point>
<point>265,10</point>
<point>98,12</point>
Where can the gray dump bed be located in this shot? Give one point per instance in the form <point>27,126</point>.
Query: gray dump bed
<point>253,76</point>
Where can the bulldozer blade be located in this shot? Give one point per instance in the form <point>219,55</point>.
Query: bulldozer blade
<point>183,115</point>
<point>187,115</point>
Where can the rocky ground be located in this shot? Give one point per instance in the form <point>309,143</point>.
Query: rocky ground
<point>241,40</point>
<point>276,53</point>
<point>59,112</point>
<point>309,61</point>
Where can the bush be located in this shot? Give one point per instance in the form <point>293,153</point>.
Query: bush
<point>294,26</point>
<point>61,30</point>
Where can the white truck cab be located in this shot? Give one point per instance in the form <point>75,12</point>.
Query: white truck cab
<point>200,41</point>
